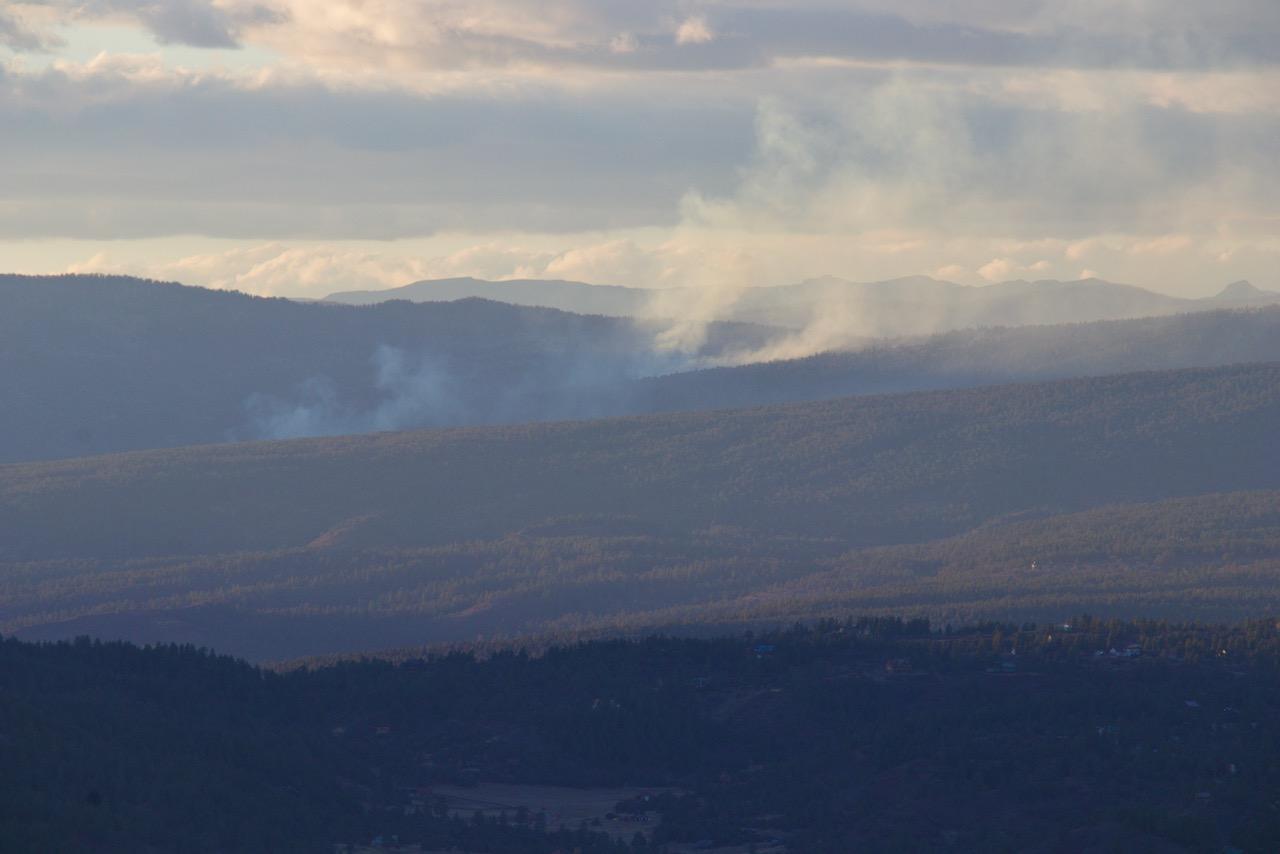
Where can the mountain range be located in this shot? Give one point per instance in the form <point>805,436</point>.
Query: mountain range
<point>907,306</point>
<point>98,365</point>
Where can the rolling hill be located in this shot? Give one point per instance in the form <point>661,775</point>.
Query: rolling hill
<point>293,548</point>
<point>94,364</point>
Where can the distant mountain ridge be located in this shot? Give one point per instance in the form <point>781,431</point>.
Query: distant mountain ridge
<point>1244,292</point>
<point>577,297</point>
<point>907,306</point>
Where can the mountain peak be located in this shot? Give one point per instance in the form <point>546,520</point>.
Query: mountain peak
<point>1242,289</point>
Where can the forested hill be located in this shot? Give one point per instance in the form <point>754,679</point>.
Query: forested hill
<point>102,364</point>
<point>872,470</point>
<point>96,364</point>
<point>875,735</point>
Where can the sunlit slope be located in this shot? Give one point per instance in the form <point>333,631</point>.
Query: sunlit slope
<point>866,471</point>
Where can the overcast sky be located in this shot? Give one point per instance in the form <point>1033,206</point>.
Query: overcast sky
<point>303,146</point>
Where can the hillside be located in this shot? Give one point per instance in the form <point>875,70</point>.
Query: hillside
<point>318,545</point>
<point>96,365</point>
<point>99,364</point>
<point>874,735</point>
<point>974,357</point>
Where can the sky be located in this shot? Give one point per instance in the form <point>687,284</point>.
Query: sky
<point>300,147</point>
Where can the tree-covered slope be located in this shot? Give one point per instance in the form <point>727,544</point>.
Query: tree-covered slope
<point>95,364</point>
<point>975,357</point>
<point>101,364</point>
<point>286,548</point>
<point>871,470</point>
<point>875,735</point>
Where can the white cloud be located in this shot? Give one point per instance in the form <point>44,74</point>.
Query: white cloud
<point>273,270</point>
<point>1163,245</point>
<point>997,269</point>
<point>694,30</point>
<point>197,23</point>
<point>624,43</point>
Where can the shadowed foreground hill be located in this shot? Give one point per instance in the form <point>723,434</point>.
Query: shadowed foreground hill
<point>875,735</point>
<point>438,535</point>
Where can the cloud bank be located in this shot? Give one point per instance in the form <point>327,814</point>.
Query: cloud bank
<point>717,144</point>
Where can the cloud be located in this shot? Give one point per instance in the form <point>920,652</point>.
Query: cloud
<point>997,269</point>
<point>17,35</point>
<point>694,30</point>
<point>719,145</point>
<point>273,270</point>
<point>195,23</point>
<point>448,34</point>
<point>1163,245</point>
<point>604,262</point>
<point>198,23</point>
<point>127,147</point>
<point>1003,269</point>
<point>559,33</point>
<point>624,43</point>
